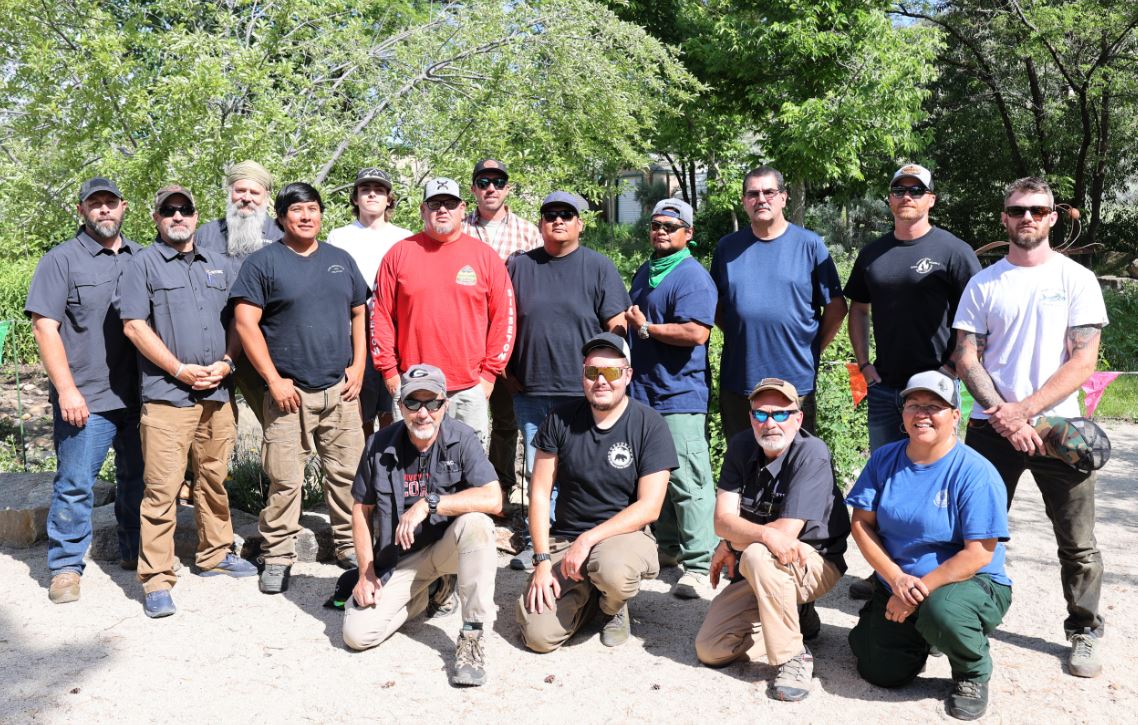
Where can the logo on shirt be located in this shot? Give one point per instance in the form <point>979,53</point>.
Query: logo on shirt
<point>466,277</point>
<point>940,500</point>
<point>620,455</point>
<point>1053,297</point>
<point>925,265</point>
<point>335,269</point>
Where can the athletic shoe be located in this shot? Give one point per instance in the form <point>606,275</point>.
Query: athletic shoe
<point>469,660</point>
<point>969,699</point>
<point>617,628</point>
<point>689,584</point>
<point>158,604</point>
<point>1086,658</point>
<point>795,678</point>
<point>443,599</point>
<point>863,588</point>
<point>231,565</point>
<point>64,587</point>
<point>809,624</point>
<point>523,560</point>
<point>274,578</point>
<point>347,560</point>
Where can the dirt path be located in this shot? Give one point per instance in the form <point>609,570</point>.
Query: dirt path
<point>234,655</point>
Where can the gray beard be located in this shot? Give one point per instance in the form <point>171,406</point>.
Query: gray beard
<point>244,231</point>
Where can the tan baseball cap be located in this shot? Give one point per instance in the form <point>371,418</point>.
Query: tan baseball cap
<point>778,385</point>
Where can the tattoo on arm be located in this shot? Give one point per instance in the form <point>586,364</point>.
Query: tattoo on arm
<point>1081,337</point>
<point>975,377</point>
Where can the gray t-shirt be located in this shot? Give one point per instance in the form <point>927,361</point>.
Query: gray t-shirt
<point>214,237</point>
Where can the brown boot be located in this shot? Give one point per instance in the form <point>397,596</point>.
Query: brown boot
<point>64,587</point>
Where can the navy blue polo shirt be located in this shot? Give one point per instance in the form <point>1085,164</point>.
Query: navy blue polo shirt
<point>73,284</point>
<point>185,299</point>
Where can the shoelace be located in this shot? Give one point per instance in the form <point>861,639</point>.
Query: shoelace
<point>796,668</point>
<point>469,650</point>
<point>1082,646</point>
<point>968,688</point>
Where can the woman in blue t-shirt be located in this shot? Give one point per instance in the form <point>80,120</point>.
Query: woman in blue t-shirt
<point>929,514</point>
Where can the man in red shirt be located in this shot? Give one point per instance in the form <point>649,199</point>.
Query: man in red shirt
<point>443,298</point>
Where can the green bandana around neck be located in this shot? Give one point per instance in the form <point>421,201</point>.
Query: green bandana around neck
<point>659,267</point>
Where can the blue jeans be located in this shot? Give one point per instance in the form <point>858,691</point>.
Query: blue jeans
<point>79,455</point>
<point>884,415</point>
<point>530,411</point>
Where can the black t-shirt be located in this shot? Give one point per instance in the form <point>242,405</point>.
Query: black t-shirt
<point>306,305</point>
<point>598,470</point>
<point>799,484</point>
<point>914,288</point>
<point>562,302</point>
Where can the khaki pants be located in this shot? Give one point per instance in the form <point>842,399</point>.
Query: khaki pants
<point>764,602</point>
<point>168,433</point>
<point>613,573</point>
<point>329,427</point>
<point>468,549</point>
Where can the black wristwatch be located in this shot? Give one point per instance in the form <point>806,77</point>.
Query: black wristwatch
<point>232,365</point>
<point>433,503</point>
<point>538,558</point>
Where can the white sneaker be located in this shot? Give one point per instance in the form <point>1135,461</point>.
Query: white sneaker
<point>689,585</point>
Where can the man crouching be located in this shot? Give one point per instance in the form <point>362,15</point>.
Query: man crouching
<point>421,494</point>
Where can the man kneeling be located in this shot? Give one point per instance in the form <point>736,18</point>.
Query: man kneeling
<point>422,493</point>
<point>784,528</point>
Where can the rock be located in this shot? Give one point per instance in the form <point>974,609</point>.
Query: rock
<point>24,502</point>
<point>1119,283</point>
<point>105,542</point>
<point>313,543</point>
<point>1132,269</point>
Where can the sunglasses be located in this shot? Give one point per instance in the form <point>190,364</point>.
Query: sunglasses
<point>756,193</point>
<point>413,404</point>
<point>450,204</point>
<point>898,192</point>
<point>168,211</point>
<point>610,373</point>
<point>929,410</point>
<point>554,214</point>
<point>484,182</point>
<point>1037,212</point>
<point>666,226</point>
<point>780,416</point>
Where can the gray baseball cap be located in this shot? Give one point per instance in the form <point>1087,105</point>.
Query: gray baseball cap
<point>441,187</point>
<point>565,198</point>
<point>95,185</point>
<point>915,171</point>
<point>423,377</point>
<point>609,340</point>
<point>172,190</point>
<point>935,382</point>
<point>675,208</point>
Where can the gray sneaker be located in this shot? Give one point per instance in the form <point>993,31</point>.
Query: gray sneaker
<point>795,678</point>
<point>274,578</point>
<point>443,597</point>
<point>469,660</point>
<point>1085,659</point>
<point>689,584</point>
<point>617,628</point>
<point>969,699</point>
<point>523,560</point>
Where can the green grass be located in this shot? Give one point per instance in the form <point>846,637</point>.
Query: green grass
<point>1120,400</point>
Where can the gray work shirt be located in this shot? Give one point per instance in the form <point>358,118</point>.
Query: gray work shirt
<point>185,299</point>
<point>214,237</point>
<point>73,285</point>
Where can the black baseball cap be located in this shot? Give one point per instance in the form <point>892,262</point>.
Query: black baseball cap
<point>373,174</point>
<point>489,165</point>
<point>95,185</point>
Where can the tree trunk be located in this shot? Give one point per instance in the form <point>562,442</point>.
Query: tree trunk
<point>798,203</point>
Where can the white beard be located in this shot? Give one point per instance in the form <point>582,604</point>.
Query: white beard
<point>244,230</point>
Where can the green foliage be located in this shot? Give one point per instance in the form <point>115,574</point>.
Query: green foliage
<point>1119,348</point>
<point>15,276</point>
<point>248,486</point>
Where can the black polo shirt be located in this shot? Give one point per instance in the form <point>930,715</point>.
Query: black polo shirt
<point>73,284</point>
<point>185,299</point>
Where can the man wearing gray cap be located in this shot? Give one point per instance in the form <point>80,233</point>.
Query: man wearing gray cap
<point>422,495</point>
<point>94,383</point>
<point>174,302</point>
<point>672,312</point>
<point>443,297</point>
<point>566,294</point>
<point>368,239</point>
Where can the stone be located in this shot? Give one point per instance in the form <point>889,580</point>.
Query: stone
<point>105,542</point>
<point>24,502</point>
<point>313,542</point>
<point>1132,269</point>
<point>1113,282</point>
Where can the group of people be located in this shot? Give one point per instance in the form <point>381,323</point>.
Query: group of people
<point>410,362</point>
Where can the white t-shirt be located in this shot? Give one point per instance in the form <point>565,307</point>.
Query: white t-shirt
<point>1025,312</point>
<point>367,246</point>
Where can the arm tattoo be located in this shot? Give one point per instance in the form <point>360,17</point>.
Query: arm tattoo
<point>1081,337</point>
<point>975,377</point>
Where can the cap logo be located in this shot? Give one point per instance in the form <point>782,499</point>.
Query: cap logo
<point>418,373</point>
<point>440,185</point>
<point>911,170</point>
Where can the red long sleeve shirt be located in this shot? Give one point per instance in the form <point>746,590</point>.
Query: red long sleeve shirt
<point>449,305</point>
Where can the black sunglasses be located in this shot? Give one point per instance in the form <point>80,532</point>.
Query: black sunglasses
<point>484,182</point>
<point>554,214</point>
<point>666,226</point>
<point>450,204</point>
<point>1037,212</point>
<point>915,191</point>
<point>413,404</point>
<point>168,211</point>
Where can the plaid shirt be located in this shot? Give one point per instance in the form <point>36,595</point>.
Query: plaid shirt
<point>513,235</point>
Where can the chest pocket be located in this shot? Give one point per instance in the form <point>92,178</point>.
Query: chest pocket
<point>215,280</point>
<point>91,288</point>
<point>167,295</point>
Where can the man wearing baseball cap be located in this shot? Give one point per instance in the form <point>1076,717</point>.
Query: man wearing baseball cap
<point>422,495</point>
<point>672,313</point>
<point>368,239</point>
<point>784,531</point>
<point>610,458</point>
<point>442,296</point>
<point>94,382</point>
<point>910,282</point>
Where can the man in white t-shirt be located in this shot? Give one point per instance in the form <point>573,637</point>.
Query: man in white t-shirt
<point>1028,332</point>
<point>367,239</point>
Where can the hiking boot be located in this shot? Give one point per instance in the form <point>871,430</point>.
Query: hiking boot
<point>1085,659</point>
<point>809,624</point>
<point>231,565</point>
<point>469,660</point>
<point>794,679</point>
<point>347,560</point>
<point>523,560</point>
<point>442,597</point>
<point>274,578</point>
<point>969,699</point>
<point>667,560</point>
<point>863,588</point>
<point>158,604</point>
<point>64,587</point>
<point>689,584</point>
<point>617,628</point>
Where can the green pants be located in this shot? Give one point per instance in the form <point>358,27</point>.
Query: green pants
<point>686,527</point>
<point>956,619</point>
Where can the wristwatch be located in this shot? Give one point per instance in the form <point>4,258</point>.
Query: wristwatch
<point>642,333</point>
<point>433,503</point>
<point>538,558</point>
<point>232,365</point>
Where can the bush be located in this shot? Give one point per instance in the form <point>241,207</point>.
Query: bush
<point>15,276</point>
<point>1119,349</point>
<point>248,486</point>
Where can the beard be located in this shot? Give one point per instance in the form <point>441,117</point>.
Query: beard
<point>773,443</point>
<point>179,234</point>
<point>442,229</point>
<point>245,224</point>
<point>103,230</point>
<point>1028,239</point>
<point>422,432</point>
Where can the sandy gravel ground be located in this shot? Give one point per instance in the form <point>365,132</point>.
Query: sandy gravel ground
<point>232,654</point>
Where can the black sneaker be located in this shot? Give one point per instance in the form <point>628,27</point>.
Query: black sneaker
<point>442,597</point>
<point>809,624</point>
<point>863,588</point>
<point>469,660</point>
<point>969,699</point>
<point>274,578</point>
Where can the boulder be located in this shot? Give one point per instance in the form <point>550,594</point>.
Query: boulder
<point>105,542</point>
<point>24,502</point>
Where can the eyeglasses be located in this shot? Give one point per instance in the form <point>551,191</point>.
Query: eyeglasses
<point>484,182</point>
<point>413,404</point>
<point>610,373</point>
<point>554,214</point>
<point>780,416</point>
<point>1037,212</point>
<point>666,226</point>
<point>450,204</point>
<point>756,193</point>
<point>929,410</point>
<point>168,211</point>
<point>898,192</point>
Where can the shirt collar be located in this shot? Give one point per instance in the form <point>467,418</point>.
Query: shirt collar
<point>94,248</point>
<point>475,219</point>
<point>774,467</point>
<point>448,436</point>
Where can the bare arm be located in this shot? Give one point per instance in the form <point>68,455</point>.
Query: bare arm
<point>362,537</point>
<point>72,404</point>
<point>858,329</point>
<point>355,371</point>
<point>780,536</point>
<point>247,318</point>
<point>680,334</point>
<point>968,358</point>
<point>1082,356</point>
<point>544,589</point>
<point>147,342</point>
<point>832,315</point>
<point>615,325</point>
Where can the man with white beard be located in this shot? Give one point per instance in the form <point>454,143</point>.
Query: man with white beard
<point>246,228</point>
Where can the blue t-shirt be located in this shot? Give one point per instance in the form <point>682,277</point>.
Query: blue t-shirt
<point>771,294</point>
<point>926,513</point>
<point>671,378</point>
